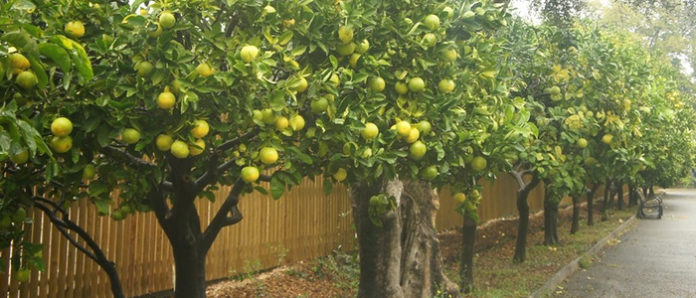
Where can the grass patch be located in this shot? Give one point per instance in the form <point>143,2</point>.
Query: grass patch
<point>341,268</point>
<point>497,276</point>
<point>585,261</point>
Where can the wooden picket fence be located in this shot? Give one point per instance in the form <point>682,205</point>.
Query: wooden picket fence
<point>303,224</point>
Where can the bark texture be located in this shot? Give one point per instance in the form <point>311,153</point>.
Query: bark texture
<point>422,268</point>
<point>400,258</point>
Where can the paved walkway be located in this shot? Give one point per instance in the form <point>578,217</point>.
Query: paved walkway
<point>657,258</point>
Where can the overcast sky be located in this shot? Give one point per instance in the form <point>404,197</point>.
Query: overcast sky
<point>521,8</point>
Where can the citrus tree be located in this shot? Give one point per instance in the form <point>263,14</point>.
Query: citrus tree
<point>168,102</point>
<point>541,55</point>
<point>667,135</point>
<point>413,103</point>
<point>32,59</point>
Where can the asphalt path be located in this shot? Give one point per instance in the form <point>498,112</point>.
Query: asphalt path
<point>657,258</point>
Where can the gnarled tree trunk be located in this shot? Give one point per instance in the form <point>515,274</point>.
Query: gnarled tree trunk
<point>400,258</point>
<point>422,271</point>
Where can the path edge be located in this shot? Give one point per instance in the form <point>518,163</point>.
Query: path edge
<point>567,270</point>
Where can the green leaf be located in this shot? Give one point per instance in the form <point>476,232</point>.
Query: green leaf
<point>79,56</point>
<point>59,55</point>
<point>102,206</point>
<point>301,156</point>
<point>5,142</point>
<point>261,190</point>
<point>328,186</point>
<point>38,69</point>
<point>22,41</point>
<point>24,5</point>
<point>277,101</point>
<point>97,188</point>
<point>277,187</point>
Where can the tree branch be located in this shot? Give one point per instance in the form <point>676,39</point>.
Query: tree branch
<point>225,166</point>
<point>233,142</point>
<point>214,171</point>
<point>518,176</point>
<point>61,226</point>
<point>126,157</point>
<point>162,211</point>
<point>210,175</point>
<point>222,219</point>
<point>94,252</point>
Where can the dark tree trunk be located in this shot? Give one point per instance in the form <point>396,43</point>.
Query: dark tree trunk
<point>620,197</point>
<point>379,246</point>
<point>189,264</point>
<point>590,205</point>
<point>523,222</point>
<point>575,225</point>
<point>605,200</point>
<point>399,252</point>
<point>632,199</point>
<point>652,191</point>
<point>612,195</point>
<point>522,228</point>
<point>181,223</point>
<point>550,220</point>
<point>466,272</point>
<point>172,200</point>
<point>186,238</point>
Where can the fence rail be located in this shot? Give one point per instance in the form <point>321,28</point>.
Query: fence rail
<point>303,224</point>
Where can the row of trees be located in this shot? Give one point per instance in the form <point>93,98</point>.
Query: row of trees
<point>167,101</point>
